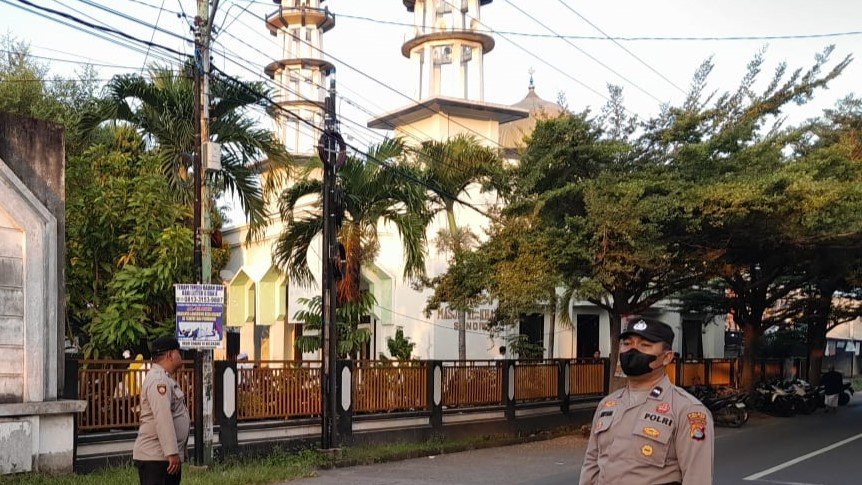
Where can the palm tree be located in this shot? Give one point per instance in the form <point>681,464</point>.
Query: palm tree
<point>450,167</point>
<point>161,107</point>
<point>374,191</point>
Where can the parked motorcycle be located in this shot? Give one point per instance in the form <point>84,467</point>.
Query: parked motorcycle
<point>808,398</point>
<point>845,395</point>
<point>775,399</point>
<point>727,406</point>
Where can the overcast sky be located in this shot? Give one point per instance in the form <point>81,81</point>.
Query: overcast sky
<point>374,48</point>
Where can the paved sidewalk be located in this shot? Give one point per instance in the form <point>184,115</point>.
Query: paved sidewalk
<point>555,461</point>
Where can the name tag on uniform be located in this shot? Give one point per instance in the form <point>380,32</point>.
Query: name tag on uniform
<point>658,419</point>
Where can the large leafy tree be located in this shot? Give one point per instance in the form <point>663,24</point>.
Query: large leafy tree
<point>746,198</point>
<point>126,245</point>
<point>160,106</point>
<point>375,192</point>
<point>450,167</point>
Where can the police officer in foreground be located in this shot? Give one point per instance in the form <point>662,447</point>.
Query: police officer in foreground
<point>650,432</point>
<point>160,447</point>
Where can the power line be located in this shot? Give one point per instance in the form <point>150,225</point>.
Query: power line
<point>539,58</point>
<point>69,61</point>
<point>153,36</point>
<point>582,51</point>
<point>100,28</point>
<point>358,124</point>
<point>105,8</point>
<point>395,170</point>
<point>683,91</point>
<point>823,35</point>
<point>390,88</point>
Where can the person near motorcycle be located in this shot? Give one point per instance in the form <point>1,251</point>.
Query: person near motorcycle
<point>650,431</point>
<point>833,384</point>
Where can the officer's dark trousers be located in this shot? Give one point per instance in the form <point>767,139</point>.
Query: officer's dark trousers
<point>156,473</point>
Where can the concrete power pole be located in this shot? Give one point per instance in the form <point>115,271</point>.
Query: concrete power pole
<point>332,151</point>
<point>203,254</point>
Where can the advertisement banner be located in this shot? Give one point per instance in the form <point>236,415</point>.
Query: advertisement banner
<point>200,315</point>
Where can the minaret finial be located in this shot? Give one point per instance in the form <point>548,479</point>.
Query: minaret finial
<point>532,84</point>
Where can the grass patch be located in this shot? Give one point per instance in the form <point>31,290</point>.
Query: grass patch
<point>281,466</point>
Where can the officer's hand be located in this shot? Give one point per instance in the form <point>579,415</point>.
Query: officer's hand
<point>174,464</point>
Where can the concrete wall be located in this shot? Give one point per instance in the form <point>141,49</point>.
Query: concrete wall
<point>36,430</point>
<point>35,151</point>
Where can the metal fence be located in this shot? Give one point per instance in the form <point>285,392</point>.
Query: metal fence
<point>281,390</point>
<point>472,383</point>
<point>112,389</point>
<point>536,381</point>
<point>387,386</point>
<point>278,389</point>
<point>587,377</point>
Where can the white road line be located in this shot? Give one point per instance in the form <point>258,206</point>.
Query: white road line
<point>802,458</point>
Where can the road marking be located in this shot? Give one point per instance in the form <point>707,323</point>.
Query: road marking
<point>802,458</point>
<point>787,483</point>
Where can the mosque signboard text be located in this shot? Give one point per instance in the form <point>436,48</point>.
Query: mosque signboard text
<point>476,319</point>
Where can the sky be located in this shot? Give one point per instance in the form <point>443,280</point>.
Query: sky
<point>372,73</point>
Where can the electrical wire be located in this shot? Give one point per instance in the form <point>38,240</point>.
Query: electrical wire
<point>824,35</point>
<point>618,44</point>
<point>539,58</point>
<point>383,164</point>
<point>100,28</point>
<point>350,121</point>
<point>584,52</point>
<point>153,36</point>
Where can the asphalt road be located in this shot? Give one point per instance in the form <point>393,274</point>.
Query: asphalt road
<point>804,450</point>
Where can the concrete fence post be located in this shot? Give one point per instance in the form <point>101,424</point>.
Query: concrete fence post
<point>509,388</point>
<point>226,406</point>
<point>563,370</point>
<point>344,385</point>
<point>435,393</point>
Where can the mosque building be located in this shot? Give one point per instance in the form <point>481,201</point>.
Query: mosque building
<point>447,55</point>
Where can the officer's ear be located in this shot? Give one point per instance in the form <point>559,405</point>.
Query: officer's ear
<point>667,358</point>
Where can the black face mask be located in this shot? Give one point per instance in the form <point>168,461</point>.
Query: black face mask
<point>636,363</point>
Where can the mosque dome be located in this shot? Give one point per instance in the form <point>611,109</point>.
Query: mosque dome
<point>512,133</point>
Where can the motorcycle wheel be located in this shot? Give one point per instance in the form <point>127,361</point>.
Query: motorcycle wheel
<point>808,406</point>
<point>843,398</point>
<point>731,417</point>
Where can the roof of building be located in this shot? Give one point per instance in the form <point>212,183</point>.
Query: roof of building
<point>450,106</point>
<point>512,133</point>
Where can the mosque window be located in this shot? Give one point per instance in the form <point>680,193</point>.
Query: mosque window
<point>466,54</point>
<point>442,54</point>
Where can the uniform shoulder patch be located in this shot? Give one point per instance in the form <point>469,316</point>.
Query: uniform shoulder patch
<point>697,425</point>
<point>162,388</point>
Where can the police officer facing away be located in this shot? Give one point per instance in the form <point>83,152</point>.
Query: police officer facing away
<point>650,432</point>
<point>160,447</point>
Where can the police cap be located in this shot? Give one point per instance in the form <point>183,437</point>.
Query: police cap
<point>165,344</point>
<point>649,329</point>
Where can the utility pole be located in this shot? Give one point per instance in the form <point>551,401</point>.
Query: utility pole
<point>203,254</point>
<point>332,152</point>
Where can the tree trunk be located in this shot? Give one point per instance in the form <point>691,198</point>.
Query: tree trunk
<point>820,310</point>
<point>456,249</point>
<point>462,335</point>
<point>750,335</point>
<point>552,330</point>
<point>615,331</point>
<point>348,286</point>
